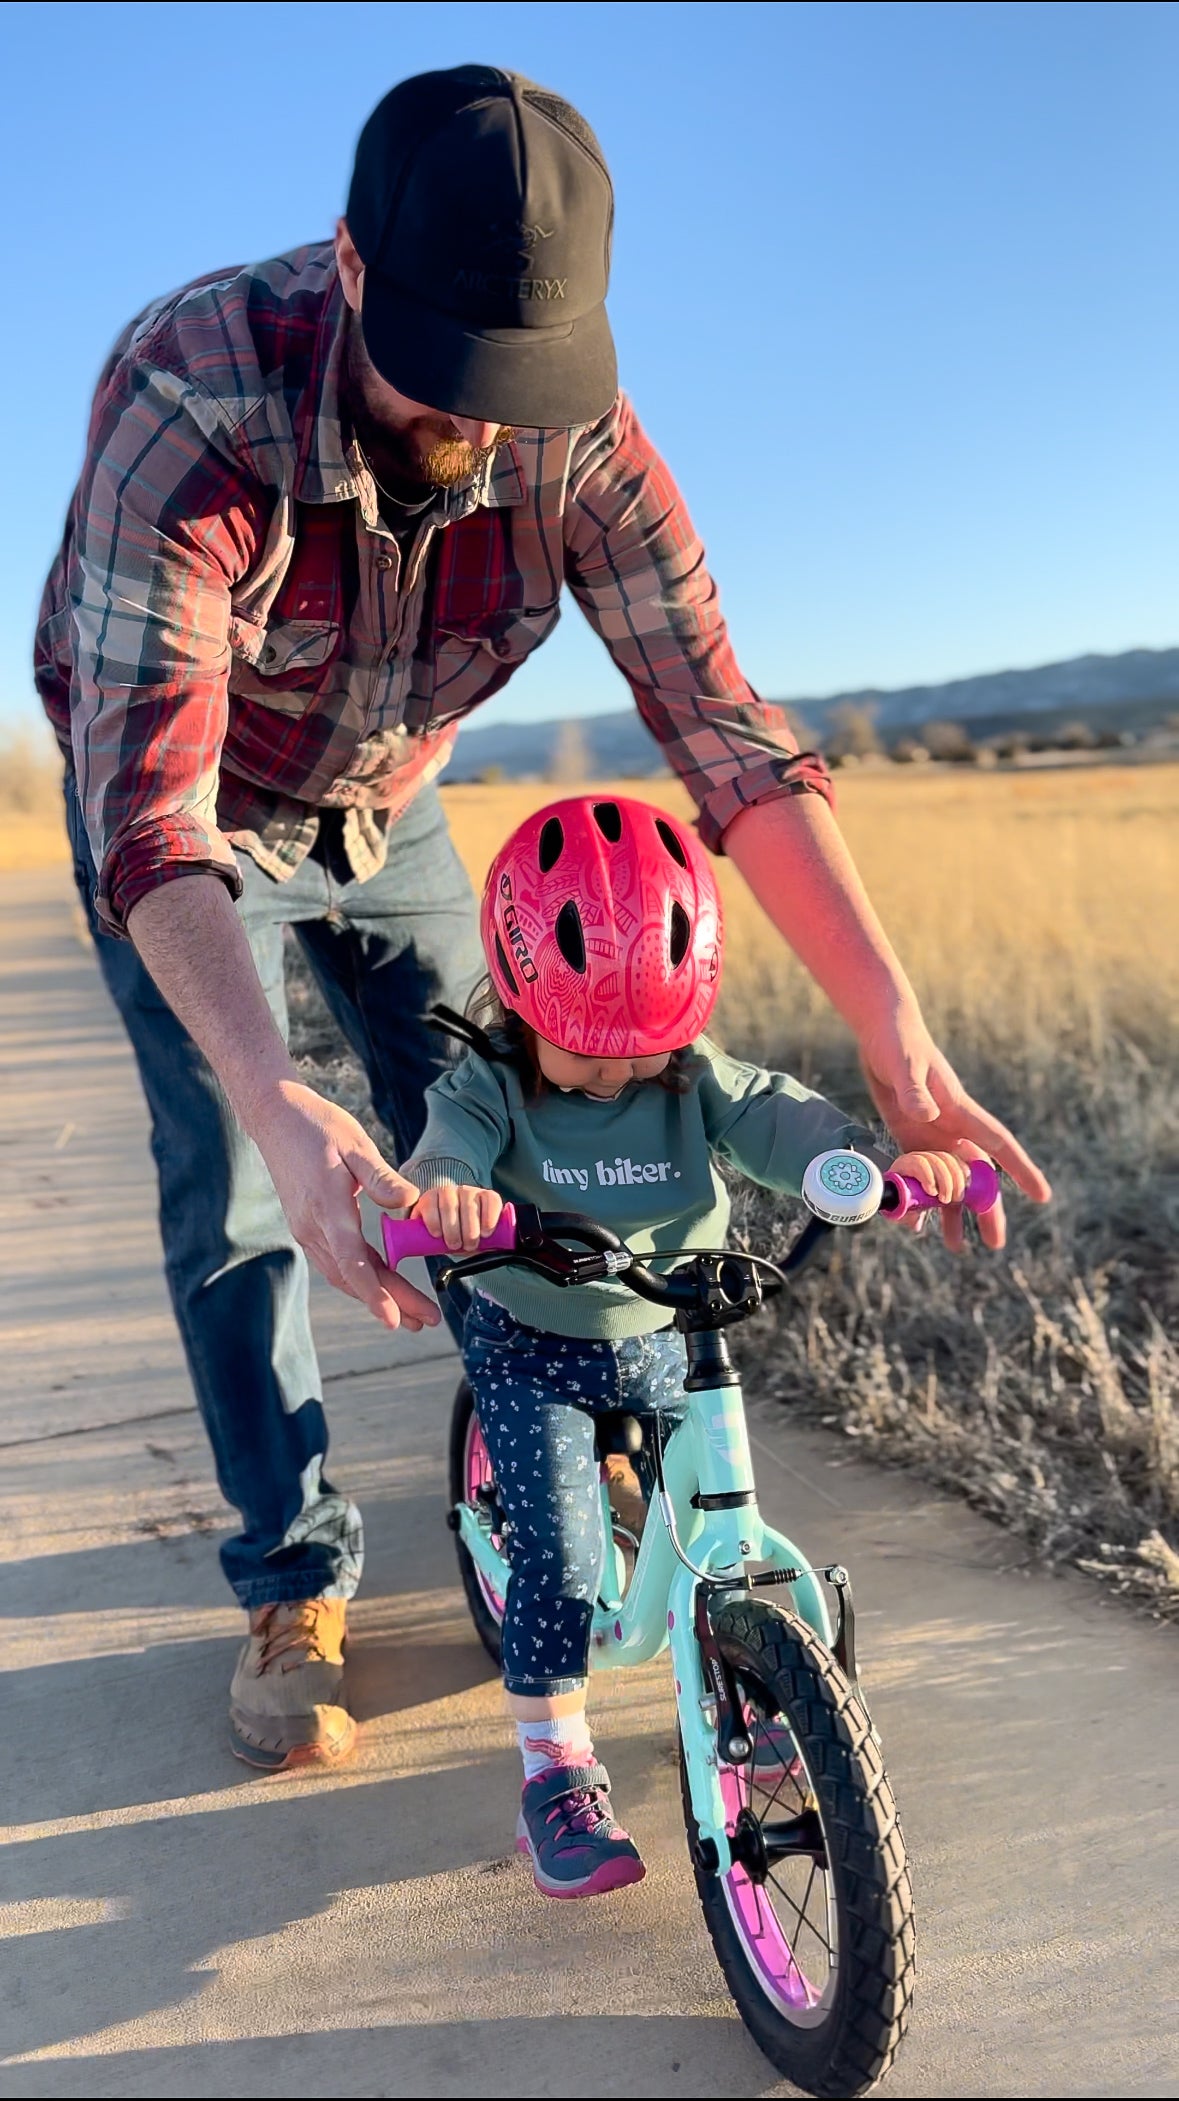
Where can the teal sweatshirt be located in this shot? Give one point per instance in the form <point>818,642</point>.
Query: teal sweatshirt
<point>642,1165</point>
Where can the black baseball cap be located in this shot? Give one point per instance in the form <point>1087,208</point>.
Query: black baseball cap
<point>482,209</point>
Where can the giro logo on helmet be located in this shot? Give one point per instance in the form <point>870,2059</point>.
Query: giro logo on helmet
<point>518,945</point>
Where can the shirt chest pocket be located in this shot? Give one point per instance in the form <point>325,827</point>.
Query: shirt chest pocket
<point>286,661</point>
<point>506,634</point>
<point>492,604</point>
<point>472,660</point>
<point>285,665</point>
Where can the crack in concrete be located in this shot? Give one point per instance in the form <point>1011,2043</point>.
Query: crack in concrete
<point>160,1415</point>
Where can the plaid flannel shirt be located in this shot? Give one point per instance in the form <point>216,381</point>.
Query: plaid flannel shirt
<point>231,639</point>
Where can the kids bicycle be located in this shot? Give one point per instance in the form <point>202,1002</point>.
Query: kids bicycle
<point>792,1828</point>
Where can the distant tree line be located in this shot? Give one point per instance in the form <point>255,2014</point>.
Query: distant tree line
<point>854,738</point>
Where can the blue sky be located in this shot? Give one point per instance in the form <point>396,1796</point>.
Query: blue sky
<point>896,289</point>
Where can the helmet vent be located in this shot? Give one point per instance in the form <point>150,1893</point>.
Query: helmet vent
<point>681,934</point>
<point>552,844</point>
<point>608,818</point>
<point>672,841</point>
<point>570,937</point>
<point>505,966</point>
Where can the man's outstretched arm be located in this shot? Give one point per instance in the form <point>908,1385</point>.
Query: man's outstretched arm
<point>190,937</point>
<point>638,571</point>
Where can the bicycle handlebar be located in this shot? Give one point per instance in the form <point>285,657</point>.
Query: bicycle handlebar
<point>534,1239</point>
<point>840,1188</point>
<point>408,1236</point>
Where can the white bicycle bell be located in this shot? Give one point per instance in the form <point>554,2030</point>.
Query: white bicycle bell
<point>843,1188</point>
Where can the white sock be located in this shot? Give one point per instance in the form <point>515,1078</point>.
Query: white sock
<point>560,1739</point>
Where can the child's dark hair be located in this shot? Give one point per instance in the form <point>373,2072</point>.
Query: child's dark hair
<point>514,1042</point>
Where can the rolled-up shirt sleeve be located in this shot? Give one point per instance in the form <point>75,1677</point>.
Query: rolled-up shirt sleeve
<point>167,522</point>
<point>635,566</point>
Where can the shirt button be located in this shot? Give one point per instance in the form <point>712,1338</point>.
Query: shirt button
<point>384,561</point>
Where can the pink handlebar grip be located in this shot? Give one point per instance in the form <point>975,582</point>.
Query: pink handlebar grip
<point>902,1194</point>
<point>408,1236</point>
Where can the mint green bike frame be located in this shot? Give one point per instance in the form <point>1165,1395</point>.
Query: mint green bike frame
<point>709,1454</point>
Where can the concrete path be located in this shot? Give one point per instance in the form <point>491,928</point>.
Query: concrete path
<point>173,1926</point>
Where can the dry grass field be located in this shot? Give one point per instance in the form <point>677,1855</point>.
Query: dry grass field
<point>1028,908</point>
<point>32,828</point>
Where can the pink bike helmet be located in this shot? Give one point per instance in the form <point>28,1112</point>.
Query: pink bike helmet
<point>602,928</point>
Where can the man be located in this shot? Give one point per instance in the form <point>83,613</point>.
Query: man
<point>328,506</point>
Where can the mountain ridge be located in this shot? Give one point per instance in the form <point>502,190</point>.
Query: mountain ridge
<point>1131,689</point>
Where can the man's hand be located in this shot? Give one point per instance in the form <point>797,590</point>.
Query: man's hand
<point>192,941</point>
<point>463,1216</point>
<point>926,1107</point>
<point>319,1160</point>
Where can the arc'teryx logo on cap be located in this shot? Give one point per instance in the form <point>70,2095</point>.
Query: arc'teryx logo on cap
<point>511,243</point>
<point>522,238</point>
<point>518,287</point>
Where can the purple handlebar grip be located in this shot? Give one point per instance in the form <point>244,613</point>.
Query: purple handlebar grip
<point>982,1192</point>
<point>408,1236</point>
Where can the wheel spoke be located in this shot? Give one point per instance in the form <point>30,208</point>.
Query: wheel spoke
<point>785,1895</point>
<point>773,1800</point>
<point>800,1912</point>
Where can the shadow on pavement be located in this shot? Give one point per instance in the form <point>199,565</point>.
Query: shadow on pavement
<point>689,2055</point>
<point>210,1880</point>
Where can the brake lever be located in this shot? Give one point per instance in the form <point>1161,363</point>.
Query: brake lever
<point>555,1263</point>
<point>471,1266</point>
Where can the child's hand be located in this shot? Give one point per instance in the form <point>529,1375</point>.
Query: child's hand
<point>942,1175</point>
<point>460,1215</point>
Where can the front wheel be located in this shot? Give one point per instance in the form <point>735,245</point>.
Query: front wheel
<point>813,1923</point>
<point>472,1481</point>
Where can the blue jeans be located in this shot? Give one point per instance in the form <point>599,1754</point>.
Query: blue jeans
<point>536,1396</point>
<point>383,952</point>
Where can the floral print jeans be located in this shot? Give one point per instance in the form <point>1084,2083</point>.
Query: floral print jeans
<point>536,1396</point>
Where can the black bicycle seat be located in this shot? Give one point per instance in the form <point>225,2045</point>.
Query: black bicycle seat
<point>617,1432</point>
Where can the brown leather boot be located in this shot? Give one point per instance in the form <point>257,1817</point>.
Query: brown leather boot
<point>285,1702</point>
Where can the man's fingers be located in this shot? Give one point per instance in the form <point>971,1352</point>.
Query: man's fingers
<point>992,1227</point>
<point>363,1274</point>
<point>417,1311</point>
<point>914,1099</point>
<point>375,1176</point>
<point>953,1229</point>
<point>968,1120</point>
<point>317,1252</point>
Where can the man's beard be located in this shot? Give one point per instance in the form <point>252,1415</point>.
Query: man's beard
<point>425,453</point>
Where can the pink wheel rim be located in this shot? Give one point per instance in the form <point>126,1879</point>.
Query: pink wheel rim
<point>754,1906</point>
<point>477,1475</point>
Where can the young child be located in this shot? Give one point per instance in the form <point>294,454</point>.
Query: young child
<point>600,1093</point>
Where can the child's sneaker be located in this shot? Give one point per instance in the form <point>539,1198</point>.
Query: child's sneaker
<point>567,1828</point>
